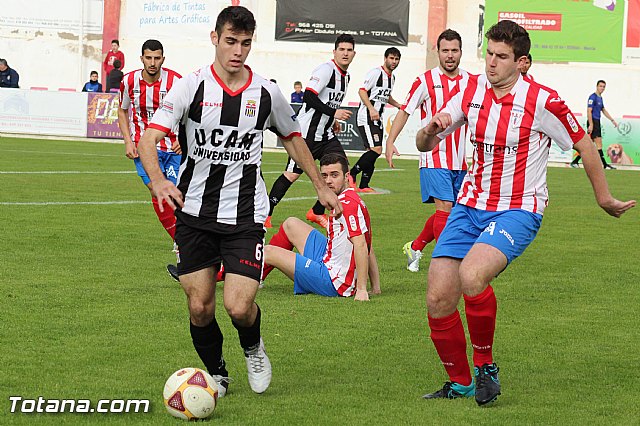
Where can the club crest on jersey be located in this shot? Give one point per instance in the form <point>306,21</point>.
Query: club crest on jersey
<point>572,122</point>
<point>516,116</point>
<point>250,108</point>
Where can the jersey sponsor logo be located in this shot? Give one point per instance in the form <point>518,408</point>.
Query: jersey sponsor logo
<point>572,122</point>
<point>437,86</point>
<point>335,99</point>
<point>250,108</point>
<point>211,104</point>
<point>490,148</point>
<point>353,223</point>
<point>215,139</point>
<point>212,155</point>
<point>167,106</point>
<point>475,105</point>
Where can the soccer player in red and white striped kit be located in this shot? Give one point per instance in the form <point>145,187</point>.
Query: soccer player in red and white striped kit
<point>499,209</point>
<point>142,91</point>
<point>443,168</point>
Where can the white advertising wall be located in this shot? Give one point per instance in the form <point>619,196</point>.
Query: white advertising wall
<point>43,113</point>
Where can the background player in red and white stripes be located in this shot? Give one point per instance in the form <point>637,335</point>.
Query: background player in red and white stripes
<point>338,264</point>
<point>443,168</point>
<point>141,95</point>
<point>499,211</point>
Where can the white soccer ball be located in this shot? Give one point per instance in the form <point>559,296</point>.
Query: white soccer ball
<point>190,393</point>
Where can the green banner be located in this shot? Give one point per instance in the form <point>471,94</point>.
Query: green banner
<point>565,30</point>
<point>622,144</point>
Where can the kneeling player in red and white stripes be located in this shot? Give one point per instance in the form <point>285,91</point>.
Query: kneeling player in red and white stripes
<point>336,265</point>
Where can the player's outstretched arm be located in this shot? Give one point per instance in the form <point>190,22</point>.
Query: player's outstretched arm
<point>163,188</point>
<point>396,127</point>
<point>595,172</point>
<point>297,149</point>
<point>361,255</point>
<point>374,273</point>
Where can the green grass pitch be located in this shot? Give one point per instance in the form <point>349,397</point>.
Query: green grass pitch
<point>89,312</point>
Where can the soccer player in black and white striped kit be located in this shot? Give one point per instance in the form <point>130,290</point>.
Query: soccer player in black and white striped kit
<point>317,116</point>
<point>374,94</point>
<point>221,199</point>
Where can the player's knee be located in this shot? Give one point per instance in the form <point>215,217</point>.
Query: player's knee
<point>472,281</point>
<point>269,254</point>
<point>239,312</point>
<point>201,312</point>
<point>440,304</point>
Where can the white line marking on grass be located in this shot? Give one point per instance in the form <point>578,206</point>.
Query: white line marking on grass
<point>67,172</point>
<point>72,203</point>
<point>63,153</point>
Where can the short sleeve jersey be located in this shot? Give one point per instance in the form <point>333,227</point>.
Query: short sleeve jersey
<point>339,258</point>
<point>144,99</point>
<point>378,84</point>
<point>511,138</point>
<point>330,83</point>
<point>428,93</point>
<point>221,136</point>
<point>596,104</point>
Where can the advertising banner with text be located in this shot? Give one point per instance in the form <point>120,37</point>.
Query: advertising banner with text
<point>379,22</point>
<point>102,116</point>
<point>567,30</point>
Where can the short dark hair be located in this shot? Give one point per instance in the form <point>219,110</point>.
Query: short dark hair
<point>4,62</point>
<point>117,64</point>
<point>240,18</point>
<point>297,83</point>
<point>449,35</point>
<point>601,81</point>
<point>152,45</point>
<point>512,35</point>
<point>392,51</point>
<point>93,72</point>
<point>529,57</point>
<point>116,41</point>
<point>345,38</point>
<point>335,158</point>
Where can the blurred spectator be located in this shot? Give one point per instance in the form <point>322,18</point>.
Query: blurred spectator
<point>93,85</point>
<point>113,55</point>
<point>115,77</point>
<point>525,68</point>
<point>296,97</point>
<point>8,76</point>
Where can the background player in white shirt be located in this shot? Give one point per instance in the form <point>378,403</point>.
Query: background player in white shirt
<point>141,95</point>
<point>318,120</point>
<point>374,94</point>
<point>499,211</point>
<point>443,168</point>
<point>338,264</point>
<point>221,199</point>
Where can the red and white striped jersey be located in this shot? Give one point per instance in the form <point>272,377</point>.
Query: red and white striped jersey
<point>511,138</point>
<point>339,258</point>
<point>144,100</point>
<point>429,92</point>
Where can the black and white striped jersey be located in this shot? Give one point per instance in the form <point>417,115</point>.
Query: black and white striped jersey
<point>378,85</point>
<point>221,140</point>
<point>329,82</point>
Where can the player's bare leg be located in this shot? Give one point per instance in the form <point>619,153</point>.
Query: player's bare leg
<point>239,301</point>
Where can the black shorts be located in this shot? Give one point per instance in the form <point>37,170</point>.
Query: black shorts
<point>318,150</point>
<point>597,130</point>
<point>371,135</point>
<point>204,243</point>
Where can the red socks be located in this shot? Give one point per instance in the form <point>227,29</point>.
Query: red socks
<point>481,321</point>
<point>167,217</point>
<point>279,239</point>
<point>448,337</point>
<point>426,236</point>
<point>439,222</point>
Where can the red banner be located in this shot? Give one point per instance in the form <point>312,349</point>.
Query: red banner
<point>534,21</point>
